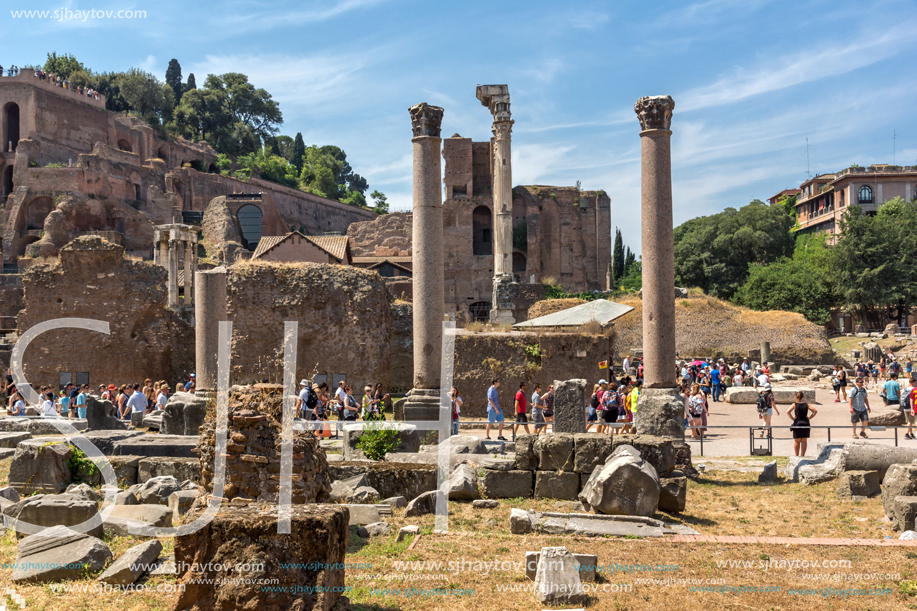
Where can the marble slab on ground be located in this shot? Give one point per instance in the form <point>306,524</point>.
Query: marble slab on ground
<point>361,515</point>
<point>587,524</point>
<point>177,446</point>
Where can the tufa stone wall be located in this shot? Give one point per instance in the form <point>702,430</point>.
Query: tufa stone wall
<point>254,447</point>
<point>344,314</point>
<point>94,280</point>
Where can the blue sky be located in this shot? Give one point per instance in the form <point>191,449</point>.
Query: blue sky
<point>751,79</point>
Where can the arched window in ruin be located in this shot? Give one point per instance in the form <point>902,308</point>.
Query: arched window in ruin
<point>11,126</point>
<point>865,194</point>
<point>213,169</point>
<point>519,264</point>
<point>162,154</point>
<point>250,225</point>
<point>479,311</point>
<point>36,212</point>
<point>124,145</point>
<point>7,181</point>
<point>482,231</point>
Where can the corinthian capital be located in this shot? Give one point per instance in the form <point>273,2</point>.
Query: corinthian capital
<point>502,130</point>
<point>655,112</point>
<point>495,98</point>
<point>426,120</point>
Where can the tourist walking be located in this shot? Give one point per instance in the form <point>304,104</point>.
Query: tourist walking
<point>538,410</point>
<point>163,397</point>
<point>715,383</point>
<point>859,409</point>
<point>456,409</point>
<point>800,416</point>
<point>494,413</point>
<point>694,410</point>
<point>521,407</point>
<point>612,401</point>
<point>302,402</point>
<point>137,402</point>
<point>891,389</point>
<point>592,410</point>
<point>634,400</point>
<point>766,406</point>
<point>81,401</point>
<point>907,403</point>
<point>549,405</point>
<point>47,406</point>
<point>350,404</point>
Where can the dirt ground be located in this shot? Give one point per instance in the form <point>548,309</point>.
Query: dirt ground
<point>478,565</point>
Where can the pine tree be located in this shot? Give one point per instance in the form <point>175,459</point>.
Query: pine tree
<point>617,261</point>
<point>299,151</point>
<point>173,79</point>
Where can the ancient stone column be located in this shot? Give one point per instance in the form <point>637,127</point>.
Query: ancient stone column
<point>209,310</point>
<point>157,258</point>
<point>659,411</point>
<point>173,269</point>
<point>496,98</point>
<point>163,245</point>
<point>427,263</point>
<point>765,353</point>
<point>189,272</point>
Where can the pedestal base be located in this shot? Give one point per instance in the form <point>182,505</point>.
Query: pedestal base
<point>502,306</point>
<point>502,317</point>
<point>423,404</point>
<point>660,411</point>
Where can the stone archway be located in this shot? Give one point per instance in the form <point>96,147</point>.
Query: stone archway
<point>36,211</point>
<point>519,266</point>
<point>482,231</point>
<point>249,217</point>
<point>10,127</point>
<point>124,145</point>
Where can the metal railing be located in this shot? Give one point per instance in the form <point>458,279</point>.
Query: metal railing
<point>769,436</point>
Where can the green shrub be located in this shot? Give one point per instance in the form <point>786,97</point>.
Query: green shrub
<point>377,440</point>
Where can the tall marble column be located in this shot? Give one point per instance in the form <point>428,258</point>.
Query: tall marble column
<point>173,269</point>
<point>659,412</point>
<point>427,263</point>
<point>209,310</point>
<point>496,99</point>
<point>189,272</point>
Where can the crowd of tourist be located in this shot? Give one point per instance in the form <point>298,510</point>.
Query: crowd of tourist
<point>54,79</point>
<point>70,401</point>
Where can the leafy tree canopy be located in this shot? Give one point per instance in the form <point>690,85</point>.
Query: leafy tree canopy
<point>63,65</point>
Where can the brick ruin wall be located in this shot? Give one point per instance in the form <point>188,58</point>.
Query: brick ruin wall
<point>344,315</point>
<point>94,280</point>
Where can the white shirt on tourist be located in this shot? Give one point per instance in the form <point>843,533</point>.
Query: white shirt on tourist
<point>47,408</point>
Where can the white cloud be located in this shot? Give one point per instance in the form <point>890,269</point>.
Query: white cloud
<point>802,67</point>
<point>585,19</point>
<point>276,16</point>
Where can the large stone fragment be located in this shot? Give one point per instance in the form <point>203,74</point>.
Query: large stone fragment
<point>557,579</point>
<point>858,483</point>
<point>422,505</point>
<point>183,414</point>
<point>658,451</point>
<point>587,565</point>
<point>180,502</point>
<point>823,467</point>
<point>900,480</point>
<point>176,446</point>
<point>181,469</point>
<point>624,485</point>
<point>570,406</point>
<point>507,484</point>
<point>520,521</point>
<point>461,444</point>
<point>866,456</point>
<point>364,495</point>
<point>58,553</point>
<point>123,517</point>
<point>591,450</point>
<point>126,468</point>
<point>40,465</point>
<point>768,475</point>
<point>132,564</point>
<point>241,547</point>
<point>11,440</point>
<point>660,412</point>
<point>526,459</point>
<point>892,417</point>
<point>673,493</point>
<point>463,484</point>
<point>55,510</point>
<point>156,490</point>
<point>390,478</point>
<point>105,440</point>
<point>562,485</point>
<point>554,452</point>
<point>782,394</point>
<point>102,416</point>
<point>904,513</point>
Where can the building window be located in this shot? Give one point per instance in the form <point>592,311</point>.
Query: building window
<point>250,224</point>
<point>482,231</point>
<point>865,194</point>
<point>386,270</point>
<point>479,311</point>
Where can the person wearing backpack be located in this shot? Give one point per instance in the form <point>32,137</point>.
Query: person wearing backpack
<point>766,406</point>
<point>302,404</point>
<point>892,390</point>
<point>859,409</point>
<point>695,408</point>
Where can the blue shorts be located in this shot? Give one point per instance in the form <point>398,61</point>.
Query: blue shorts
<point>81,411</point>
<point>493,416</point>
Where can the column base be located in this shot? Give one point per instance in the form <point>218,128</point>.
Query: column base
<point>502,317</point>
<point>660,412</point>
<point>423,405</point>
<point>505,288</point>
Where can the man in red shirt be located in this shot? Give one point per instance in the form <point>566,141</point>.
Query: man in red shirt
<point>521,418</point>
